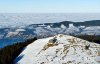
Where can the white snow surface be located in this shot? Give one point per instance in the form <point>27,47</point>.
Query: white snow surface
<point>68,50</point>
<point>18,30</point>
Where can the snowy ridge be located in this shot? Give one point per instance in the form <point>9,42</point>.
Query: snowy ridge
<point>60,49</point>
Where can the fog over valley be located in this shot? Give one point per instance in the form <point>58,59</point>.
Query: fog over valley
<point>23,19</point>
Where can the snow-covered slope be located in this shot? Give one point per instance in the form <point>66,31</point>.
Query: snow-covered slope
<point>91,30</point>
<point>60,49</point>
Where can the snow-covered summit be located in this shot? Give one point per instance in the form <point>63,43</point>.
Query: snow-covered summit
<point>63,26</point>
<point>60,49</point>
<point>71,25</point>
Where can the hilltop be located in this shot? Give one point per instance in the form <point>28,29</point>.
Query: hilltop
<point>60,49</point>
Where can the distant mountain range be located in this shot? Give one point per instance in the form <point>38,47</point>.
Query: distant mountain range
<point>66,23</point>
<point>49,29</point>
<point>65,27</point>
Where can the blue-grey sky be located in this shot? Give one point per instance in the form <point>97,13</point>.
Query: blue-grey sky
<point>50,6</point>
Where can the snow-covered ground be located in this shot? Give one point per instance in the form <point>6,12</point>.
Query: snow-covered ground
<point>93,30</point>
<point>80,30</point>
<point>64,49</point>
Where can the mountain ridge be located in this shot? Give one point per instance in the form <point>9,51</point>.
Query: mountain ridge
<point>49,29</point>
<point>66,23</point>
<point>60,49</point>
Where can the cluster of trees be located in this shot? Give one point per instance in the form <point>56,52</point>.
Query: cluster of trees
<point>9,53</point>
<point>90,38</point>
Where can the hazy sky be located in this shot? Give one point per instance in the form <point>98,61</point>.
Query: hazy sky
<point>50,6</point>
